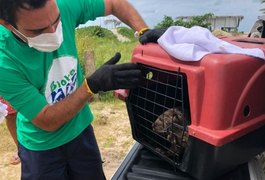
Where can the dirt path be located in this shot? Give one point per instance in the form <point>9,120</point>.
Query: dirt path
<point>119,36</point>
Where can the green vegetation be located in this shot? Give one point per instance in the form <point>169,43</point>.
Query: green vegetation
<point>104,44</point>
<point>193,21</point>
<point>129,33</point>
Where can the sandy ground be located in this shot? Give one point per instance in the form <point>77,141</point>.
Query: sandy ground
<point>113,134</point>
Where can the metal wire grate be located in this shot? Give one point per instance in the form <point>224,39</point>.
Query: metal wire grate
<point>159,112</point>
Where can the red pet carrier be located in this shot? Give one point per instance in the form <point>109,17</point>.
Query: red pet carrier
<point>206,117</point>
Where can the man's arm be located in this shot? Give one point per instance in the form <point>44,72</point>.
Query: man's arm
<point>52,117</point>
<point>123,10</point>
<point>109,76</point>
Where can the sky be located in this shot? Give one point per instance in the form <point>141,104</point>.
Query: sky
<point>153,11</point>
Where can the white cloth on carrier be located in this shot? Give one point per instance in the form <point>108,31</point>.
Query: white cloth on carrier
<point>192,44</point>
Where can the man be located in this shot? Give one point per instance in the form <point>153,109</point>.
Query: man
<point>42,79</point>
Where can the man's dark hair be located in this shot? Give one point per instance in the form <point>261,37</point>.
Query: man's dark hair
<point>8,8</point>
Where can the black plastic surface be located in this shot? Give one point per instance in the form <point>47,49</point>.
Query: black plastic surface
<point>142,164</point>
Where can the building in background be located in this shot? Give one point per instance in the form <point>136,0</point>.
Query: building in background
<point>227,23</point>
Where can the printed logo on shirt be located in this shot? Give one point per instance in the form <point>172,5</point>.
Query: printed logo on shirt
<point>62,79</point>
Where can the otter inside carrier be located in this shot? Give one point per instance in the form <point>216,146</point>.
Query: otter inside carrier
<point>160,113</point>
<point>206,117</point>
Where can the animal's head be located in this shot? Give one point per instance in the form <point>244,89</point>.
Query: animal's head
<point>159,125</point>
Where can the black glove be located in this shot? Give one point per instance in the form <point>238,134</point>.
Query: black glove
<point>112,76</point>
<point>152,35</point>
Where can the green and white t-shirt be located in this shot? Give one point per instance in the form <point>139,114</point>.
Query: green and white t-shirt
<point>30,79</point>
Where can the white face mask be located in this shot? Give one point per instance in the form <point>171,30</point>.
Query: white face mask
<point>46,42</point>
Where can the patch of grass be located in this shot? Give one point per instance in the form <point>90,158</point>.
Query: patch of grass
<point>127,144</point>
<point>94,31</point>
<point>109,142</point>
<point>127,32</point>
<point>106,96</point>
<point>104,48</point>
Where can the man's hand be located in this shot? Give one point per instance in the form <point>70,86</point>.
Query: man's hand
<point>112,76</point>
<point>152,35</point>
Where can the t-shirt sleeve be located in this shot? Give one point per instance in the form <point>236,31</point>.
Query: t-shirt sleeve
<point>24,97</point>
<point>82,10</point>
